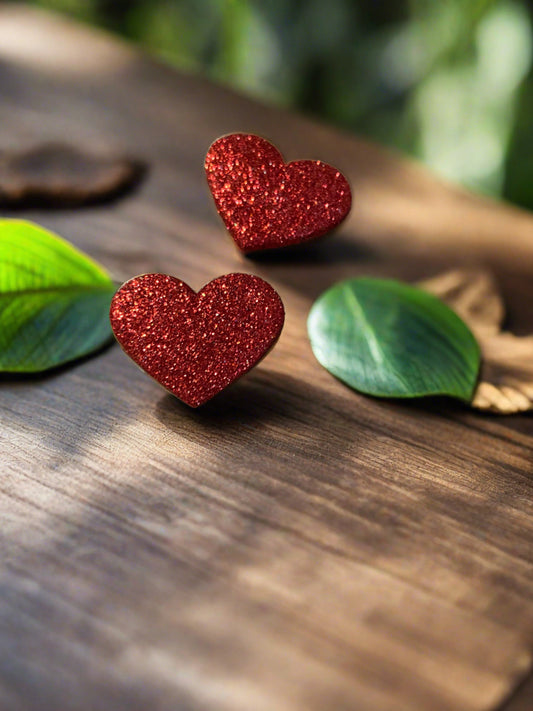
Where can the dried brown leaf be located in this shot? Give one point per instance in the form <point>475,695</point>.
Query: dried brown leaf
<point>56,175</point>
<point>506,378</point>
<point>473,295</point>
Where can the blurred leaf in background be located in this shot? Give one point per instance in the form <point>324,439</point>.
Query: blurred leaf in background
<point>447,81</point>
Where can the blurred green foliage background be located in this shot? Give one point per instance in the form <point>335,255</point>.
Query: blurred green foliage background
<point>447,81</point>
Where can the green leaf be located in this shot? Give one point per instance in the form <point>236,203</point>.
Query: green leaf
<point>54,300</point>
<point>390,339</point>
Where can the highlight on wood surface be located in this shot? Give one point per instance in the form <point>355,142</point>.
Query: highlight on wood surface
<point>389,339</point>
<point>506,380</point>
<point>57,175</point>
<point>54,300</point>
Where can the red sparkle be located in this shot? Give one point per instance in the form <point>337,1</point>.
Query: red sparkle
<point>196,344</point>
<point>266,203</point>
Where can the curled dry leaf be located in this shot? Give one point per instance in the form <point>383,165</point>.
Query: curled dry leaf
<point>57,175</point>
<point>473,295</point>
<point>506,380</point>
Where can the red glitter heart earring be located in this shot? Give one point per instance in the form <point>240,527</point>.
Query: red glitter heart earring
<point>266,203</point>
<point>196,344</point>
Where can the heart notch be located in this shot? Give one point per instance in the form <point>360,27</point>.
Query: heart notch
<point>195,344</point>
<point>266,203</point>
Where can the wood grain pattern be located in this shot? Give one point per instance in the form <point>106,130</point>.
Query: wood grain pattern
<point>291,546</point>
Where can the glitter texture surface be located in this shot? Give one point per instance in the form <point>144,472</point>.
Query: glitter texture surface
<point>266,203</point>
<point>196,344</point>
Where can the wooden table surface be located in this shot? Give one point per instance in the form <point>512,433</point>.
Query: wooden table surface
<point>292,545</point>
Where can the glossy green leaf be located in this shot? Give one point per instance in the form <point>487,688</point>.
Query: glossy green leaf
<point>54,300</point>
<point>390,339</point>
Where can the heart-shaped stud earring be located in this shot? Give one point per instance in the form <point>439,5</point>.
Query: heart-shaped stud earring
<point>266,203</point>
<point>196,344</point>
